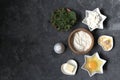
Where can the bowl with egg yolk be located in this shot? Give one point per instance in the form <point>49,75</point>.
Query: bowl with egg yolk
<point>93,64</point>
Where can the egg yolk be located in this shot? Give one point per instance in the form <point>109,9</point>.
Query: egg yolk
<point>92,65</point>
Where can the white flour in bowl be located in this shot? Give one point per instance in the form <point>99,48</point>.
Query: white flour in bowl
<point>82,41</point>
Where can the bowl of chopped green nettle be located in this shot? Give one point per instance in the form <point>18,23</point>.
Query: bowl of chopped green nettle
<point>63,19</point>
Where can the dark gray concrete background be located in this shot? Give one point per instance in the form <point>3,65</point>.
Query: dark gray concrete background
<point>27,39</point>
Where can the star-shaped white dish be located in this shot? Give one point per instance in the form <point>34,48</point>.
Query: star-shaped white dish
<point>94,19</point>
<point>93,64</point>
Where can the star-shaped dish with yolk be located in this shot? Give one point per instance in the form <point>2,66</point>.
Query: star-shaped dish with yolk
<point>94,19</point>
<point>93,64</point>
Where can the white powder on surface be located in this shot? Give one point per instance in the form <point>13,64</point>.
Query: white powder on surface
<point>82,41</point>
<point>93,20</point>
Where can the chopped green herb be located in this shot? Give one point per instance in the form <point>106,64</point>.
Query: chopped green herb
<point>63,19</point>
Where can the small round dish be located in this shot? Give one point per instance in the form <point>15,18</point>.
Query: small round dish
<point>71,40</point>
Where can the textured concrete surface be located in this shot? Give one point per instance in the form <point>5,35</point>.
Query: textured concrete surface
<point>27,39</point>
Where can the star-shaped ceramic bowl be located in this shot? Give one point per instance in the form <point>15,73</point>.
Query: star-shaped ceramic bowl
<point>93,64</point>
<point>94,19</point>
